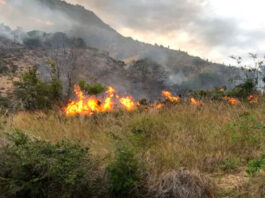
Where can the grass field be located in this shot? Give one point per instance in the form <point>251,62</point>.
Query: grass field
<point>216,140</point>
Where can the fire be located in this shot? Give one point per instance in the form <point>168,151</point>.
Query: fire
<point>252,99</point>
<point>127,103</point>
<point>196,102</point>
<point>88,105</point>
<point>159,106</point>
<point>84,105</point>
<point>232,101</point>
<point>168,95</point>
<point>3,2</point>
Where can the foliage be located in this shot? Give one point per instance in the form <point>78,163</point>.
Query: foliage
<point>33,168</point>
<point>214,94</point>
<point>4,102</point>
<point>35,94</point>
<point>244,89</point>
<point>256,164</point>
<point>124,174</point>
<point>3,68</point>
<point>91,89</point>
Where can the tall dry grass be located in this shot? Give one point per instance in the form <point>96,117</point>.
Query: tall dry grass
<point>215,139</point>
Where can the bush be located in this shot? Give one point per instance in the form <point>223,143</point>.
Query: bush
<point>91,89</point>
<point>256,164</point>
<point>243,90</point>
<point>215,94</point>
<point>124,174</point>
<point>33,168</point>
<point>35,94</point>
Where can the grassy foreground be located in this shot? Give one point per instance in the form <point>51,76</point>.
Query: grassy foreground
<point>217,142</point>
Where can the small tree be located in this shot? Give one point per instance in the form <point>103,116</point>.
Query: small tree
<point>35,94</point>
<point>91,89</point>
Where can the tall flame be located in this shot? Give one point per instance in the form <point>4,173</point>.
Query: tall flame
<point>233,101</point>
<point>88,105</point>
<point>168,96</point>
<point>127,103</point>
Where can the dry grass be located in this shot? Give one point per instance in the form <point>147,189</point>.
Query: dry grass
<point>216,139</point>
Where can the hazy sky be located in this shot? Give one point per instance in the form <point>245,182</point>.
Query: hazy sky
<point>213,29</point>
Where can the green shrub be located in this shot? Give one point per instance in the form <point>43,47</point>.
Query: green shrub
<point>244,89</point>
<point>256,164</point>
<point>91,89</point>
<point>124,174</point>
<point>35,94</point>
<point>33,168</point>
<point>214,94</point>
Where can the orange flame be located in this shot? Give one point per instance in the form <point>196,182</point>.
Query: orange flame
<point>233,101</point>
<point>159,106</point>
<point>88,105</point>
<point>127,103</point>
<point>252,99</point>
<point>168,96</point>
<point>196,102</point>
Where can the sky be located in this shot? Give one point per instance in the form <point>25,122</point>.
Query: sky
<point>211,29</point>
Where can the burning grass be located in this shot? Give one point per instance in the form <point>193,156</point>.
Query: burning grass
<point>216,139</point>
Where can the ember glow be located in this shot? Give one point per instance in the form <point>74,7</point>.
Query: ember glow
<point>232,101</point>
<point>195,102</point>
<point>168,96</point>
<point>252,99</point>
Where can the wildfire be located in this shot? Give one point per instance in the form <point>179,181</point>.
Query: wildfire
<point>252,99</point>
<point>196,102</point>
<point>86,105</point>
<point>159,106</point>
<point>232,101</point>
<point>127,103</point>
<point>168,96</point>
<point>3,2</point>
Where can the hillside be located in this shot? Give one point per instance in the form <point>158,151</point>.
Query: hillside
<point>184,72</point>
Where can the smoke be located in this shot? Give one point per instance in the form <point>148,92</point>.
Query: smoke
<point>33,15</point>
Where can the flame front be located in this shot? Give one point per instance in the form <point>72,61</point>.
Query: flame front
<point>193,101</point>
<point>168,96</point>
<point>252,99</point>
<point>83,105</point>
<point>127,103</point>
<point>88,105</point>
<point>233,101</point>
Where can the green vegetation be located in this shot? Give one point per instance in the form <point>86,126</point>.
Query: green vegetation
<point>124,174</point>
<point>35,94</point>
<point>256,164</point>
<point>91,89</point>
<point>244,89</point>
<point>34,168</point>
